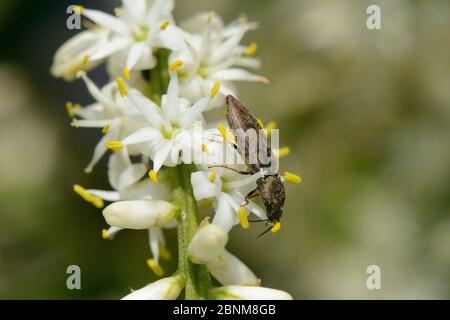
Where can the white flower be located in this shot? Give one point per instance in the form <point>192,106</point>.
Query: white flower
<point>209,241</point>
<point>167,136</point>
<point>212,52</point>
<point>73,55</point>
<point>165,289</point>
<point>227,190</point>
<point>248,293</point>
<point>229,270</point>
<point>139,214</point>
<point>138,29</point>
<point>114,115</point>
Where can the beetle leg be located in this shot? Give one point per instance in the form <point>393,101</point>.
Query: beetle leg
<point>252,194</point>
<point>229,168</point>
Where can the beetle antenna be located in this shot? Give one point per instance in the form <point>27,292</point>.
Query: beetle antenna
<point>264,233</point>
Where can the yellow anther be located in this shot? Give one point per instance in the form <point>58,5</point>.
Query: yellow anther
<point>164,25</point>
<point>290,177</point>
<point>176,65</point>
<point>70,108</point>
<point>78,9</point>
<point>106,235</point>
<point>242,215</point>
<point>251,49</point>
<point>126,73</point>
<point>212,176</point>
<point>282,152</point>
<point>153,176</point>
<point>258,120</point>
<point>122,86</point>
<point>82,192</point>
<point>204,148</point>
<point>165,253</point>
<point>215,89</point>
<point>106,128</point>
<point>211,14</point>
<point>155,267</point>
<point>226,135</point>
<point>276,227</point>
<point>271,125</point>
<point>114,144</point>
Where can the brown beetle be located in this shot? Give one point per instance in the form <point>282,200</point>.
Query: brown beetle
<point>269,187</point>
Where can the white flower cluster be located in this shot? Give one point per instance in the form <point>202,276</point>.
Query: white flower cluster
<point>149,125</point>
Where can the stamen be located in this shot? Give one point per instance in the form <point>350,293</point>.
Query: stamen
<point>215,89</point>
<point>282,152</point>
<point>82,192</point>
<point>212,176</point>
<point>106,235</point>
<point>155,267</point>
<point>106,128</point>
<point>176,65</point>
<point>251,49</point>
<point>271,125</point>
<point>204,148</point>
<point>153,176</point>
<point>84,62</point>
<point>226,135</point>
<point>126,73</point>
<point>165,253</point>
<point>242,215</point>
<point>114,144</point>
<point>258,120</point>
<point>122,86</point>
<point>164,25</point>
<point>276,227</point>
<point>71,108</point>
<point>78,9</point>
<point>290,177</point>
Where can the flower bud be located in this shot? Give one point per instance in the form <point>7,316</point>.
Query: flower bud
<point>229,270</point>
<point>247,293</point>
<point>165,289</point>
<point>139,214</point>
<point>207,244</point>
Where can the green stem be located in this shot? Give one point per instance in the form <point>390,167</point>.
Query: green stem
<point>197,278</point>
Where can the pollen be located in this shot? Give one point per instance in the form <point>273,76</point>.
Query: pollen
<point>212,176</point>
<point>153,176</point>
<point>282,152</point>
<point>85,61</point>
<point>242,215</point>
<point>251,49</point>
<point>155,267</point>
<point>126,73</point>
<point>215,89</point>
<point>114,144</point>
<point>164,253</point>
<point>176,65</point>
<point>164,25</point>
<point>106,128</point>
<point>83,193</point>
<point>276,227</point>
<point>226,135</point>
<point>122,86</point>
<point>290,177</point>
<point>204,148</point>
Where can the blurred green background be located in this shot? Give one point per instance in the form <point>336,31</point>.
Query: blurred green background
<point>366,114</point>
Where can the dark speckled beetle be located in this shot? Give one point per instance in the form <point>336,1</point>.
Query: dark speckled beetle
<point>269,186</point>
